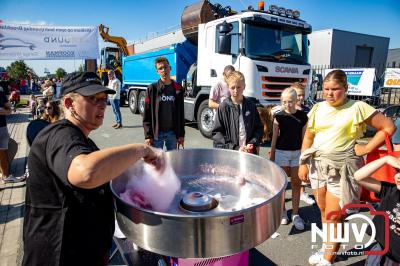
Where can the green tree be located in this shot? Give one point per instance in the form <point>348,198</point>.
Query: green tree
<point>18,70</point>
<point>81,68</point>
<point>60,72</point>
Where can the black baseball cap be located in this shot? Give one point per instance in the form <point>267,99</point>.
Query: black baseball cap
<point>84,83</point>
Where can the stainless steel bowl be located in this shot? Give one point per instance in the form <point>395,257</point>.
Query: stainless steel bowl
<point>237,201</point>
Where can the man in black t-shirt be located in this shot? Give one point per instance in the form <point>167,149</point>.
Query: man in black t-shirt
<point>163,119</point>
<point>69,216</point>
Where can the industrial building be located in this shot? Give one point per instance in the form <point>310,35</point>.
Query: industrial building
<point>333,47</point>
<point>393,59</point>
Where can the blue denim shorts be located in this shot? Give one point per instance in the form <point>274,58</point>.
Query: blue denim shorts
<point>287,158</point>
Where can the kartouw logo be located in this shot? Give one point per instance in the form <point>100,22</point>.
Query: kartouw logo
<point>349,228</point>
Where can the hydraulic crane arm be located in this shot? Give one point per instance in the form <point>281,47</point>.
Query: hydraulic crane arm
<point>119,41</point>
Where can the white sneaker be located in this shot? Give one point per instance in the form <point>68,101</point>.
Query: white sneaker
<point>12,179</point>
<point>285,219</point>
<point>317,259</point>
<point>298,222</point>
<point>306,198</point>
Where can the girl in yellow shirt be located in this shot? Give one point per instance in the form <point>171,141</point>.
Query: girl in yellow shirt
<point>332,130</point>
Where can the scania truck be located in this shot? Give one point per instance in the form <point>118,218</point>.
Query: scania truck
<point>270,47</point>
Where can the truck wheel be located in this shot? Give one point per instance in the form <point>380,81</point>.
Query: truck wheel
<point>205,119</point>
<point>142,95</point>
<point>133,103</point>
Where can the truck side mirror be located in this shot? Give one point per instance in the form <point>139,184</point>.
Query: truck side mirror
<point>224,44</point>
<point>225,38</point>
<point>225,28</point>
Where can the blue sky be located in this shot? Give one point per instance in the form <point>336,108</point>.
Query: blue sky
<point>136,19</point>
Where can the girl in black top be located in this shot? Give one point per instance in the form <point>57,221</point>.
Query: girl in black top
<point>287,134</point>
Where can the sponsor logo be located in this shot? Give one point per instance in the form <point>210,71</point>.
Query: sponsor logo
<point>393,82</point>
<point>56,39</point>
<point>165,98</point>
<point>236,219</point>
<point>291,70</point>
<point>63,40</point>
<point>353,77</point>
<point>60,54</point>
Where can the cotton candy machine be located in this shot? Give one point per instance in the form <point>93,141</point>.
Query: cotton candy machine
<point>228,202</point>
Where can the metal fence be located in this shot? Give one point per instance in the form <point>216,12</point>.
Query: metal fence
<point>381,98</point>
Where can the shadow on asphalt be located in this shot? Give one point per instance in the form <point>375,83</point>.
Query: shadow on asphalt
<point>256,258</point>
<point>13,212</point>
<point>15,186</point>
<point>19,171</point>
<point>14,120</point>
<point>310,214</point>
<point>191,124</point>
<point>138,126</point>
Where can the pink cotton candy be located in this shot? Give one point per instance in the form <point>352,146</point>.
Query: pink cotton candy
<point>135,198</point>
<point>149,188</point>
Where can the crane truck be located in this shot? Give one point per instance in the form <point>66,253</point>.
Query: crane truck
<point>270,47</point>
<point>111,57</point>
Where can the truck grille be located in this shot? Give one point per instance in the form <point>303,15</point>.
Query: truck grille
<point>283,79</point>
<point>272,87</point>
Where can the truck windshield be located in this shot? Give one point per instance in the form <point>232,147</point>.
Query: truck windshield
<point>276,44</point>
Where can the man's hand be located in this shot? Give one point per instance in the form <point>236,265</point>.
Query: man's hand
<point>303,173</point>
<point>148,142</point>
<point>181,142</point>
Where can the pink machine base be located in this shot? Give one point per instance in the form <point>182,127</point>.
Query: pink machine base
<point>239,259</point>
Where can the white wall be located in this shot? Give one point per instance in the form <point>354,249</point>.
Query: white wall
<point>320,47</point>
<point>159,42</point>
